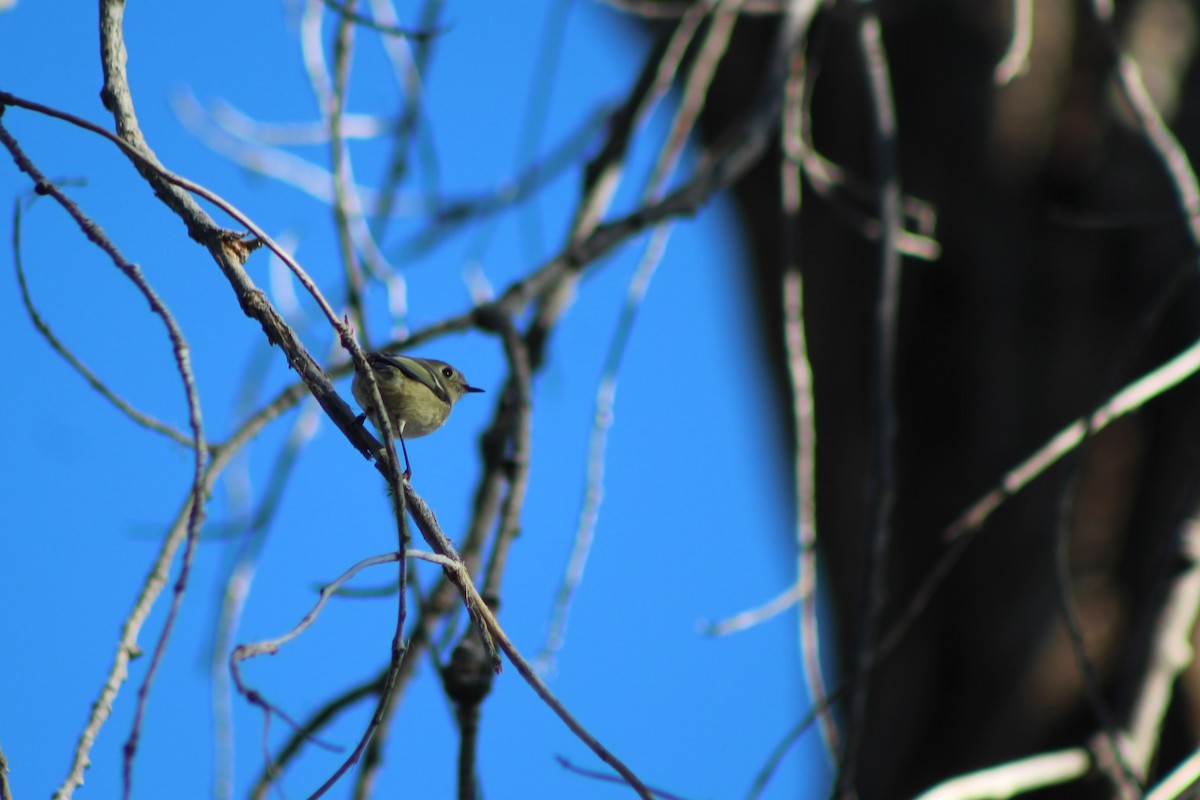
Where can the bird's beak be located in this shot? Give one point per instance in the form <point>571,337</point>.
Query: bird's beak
<point>473,389</point>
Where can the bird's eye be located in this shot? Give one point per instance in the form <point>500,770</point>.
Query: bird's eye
<point>447,372</point>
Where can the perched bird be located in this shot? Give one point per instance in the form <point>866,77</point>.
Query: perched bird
<point>418,394</point>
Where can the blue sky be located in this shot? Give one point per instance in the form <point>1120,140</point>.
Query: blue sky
<point>695,522</point>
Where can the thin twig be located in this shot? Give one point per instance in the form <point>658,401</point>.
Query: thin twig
<point>665,9</point>
<point>1179,781</point>
<point>515,418</point>
<point>41,326</point>
<point>388,685</point>
<point>535,114</point>
<point>1172,652</point>
<point>607,172</point>
<point>1126,783</point>
<point>695,92</point>
<point>450,215</point>
<point>245,652</point>
<point>605,778</point>
<point>432,607</point>
<point>229,252</point>
<point>882,482</point>
<point>348,13</point>
<point>803,403</point>
<point>962,531</point>
<point>252,145</point>
<point>408,129</point>
<point>1158,135</point>
<point>127,645</point>
<point>237,588</point>
<point>1132,397</point>
<point>753,617</point>
<point>272,646</point>
<point>531,677</point>
<point>602,418</point>
<point>771,765</point>
<point>1017,777</point>
<point>1016,59</point>
<point>346,203</point>
<point>427,524</point>
<point>195,517</point>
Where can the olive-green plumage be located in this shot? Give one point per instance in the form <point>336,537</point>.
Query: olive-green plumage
<point>418,393</point>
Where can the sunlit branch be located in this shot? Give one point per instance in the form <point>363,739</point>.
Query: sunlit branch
<point>1016,59</point>
<point>1014,778</point>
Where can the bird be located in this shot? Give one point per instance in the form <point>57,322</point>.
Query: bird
<point>418,394</point>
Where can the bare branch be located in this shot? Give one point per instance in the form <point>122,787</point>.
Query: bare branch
<point>195,515</point>
<point>750,618</point>
<point>882,481</point>
<point>1014,778</point>
<point>1172,652</point>
<point>1016,58</point>
<point>1130,398</point>
<point>40,325</point>
<point>5,789</point>
<point>803,404</point>
<point>347,13</point>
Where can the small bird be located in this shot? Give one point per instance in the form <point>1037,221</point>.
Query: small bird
<point>418,393</point>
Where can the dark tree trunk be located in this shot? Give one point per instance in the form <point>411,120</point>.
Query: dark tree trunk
<point>1066,271</point>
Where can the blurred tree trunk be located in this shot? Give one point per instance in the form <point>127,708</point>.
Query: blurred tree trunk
<point>1066,272</point>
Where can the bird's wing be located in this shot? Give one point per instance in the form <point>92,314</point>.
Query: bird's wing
<point>413,370</point>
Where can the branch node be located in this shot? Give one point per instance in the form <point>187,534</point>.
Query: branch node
<point>491,317</point>
<point>468,677</point>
